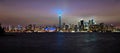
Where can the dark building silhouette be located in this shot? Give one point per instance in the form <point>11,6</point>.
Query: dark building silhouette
<point>1,30</point>
<point>82,25</point>
<point>66,27</point>
<point>75,28</point>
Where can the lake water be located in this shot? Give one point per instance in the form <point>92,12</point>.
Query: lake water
<point>60,43</point>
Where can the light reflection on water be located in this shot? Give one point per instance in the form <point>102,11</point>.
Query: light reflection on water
<point>60,39</point>
<point>90,37</point>
<point>62,42</point>
<point>87,39</point>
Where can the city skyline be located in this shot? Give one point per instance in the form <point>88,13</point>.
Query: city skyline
<point>44,11</point>
<point>82,26</point>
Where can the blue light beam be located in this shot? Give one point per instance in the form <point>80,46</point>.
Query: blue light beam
<point>59,12</point>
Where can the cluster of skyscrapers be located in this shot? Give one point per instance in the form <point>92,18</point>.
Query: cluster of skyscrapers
<point>82,26</point>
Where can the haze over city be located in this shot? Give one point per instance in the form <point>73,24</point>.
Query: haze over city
<point>14,12</point>
<point>59,26</point>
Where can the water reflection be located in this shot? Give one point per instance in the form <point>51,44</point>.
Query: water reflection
<point>60,40</point>
<point>90,37</point>
<point>61,43</point>
<point>76,44</point>
<point>90,43</point>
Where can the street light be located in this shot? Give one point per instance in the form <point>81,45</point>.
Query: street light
<point>59,12</point>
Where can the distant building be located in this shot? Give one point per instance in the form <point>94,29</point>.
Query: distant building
<point>81,25</point>
<point>19,27</point>
<point>76,28</point>
<point>86,26</point>
<point>92,22</point>
<point>29,27</point>
<point>1,30</point>
<point>9,28</point>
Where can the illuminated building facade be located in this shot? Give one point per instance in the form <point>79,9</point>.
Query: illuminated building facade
<point>83,26</point>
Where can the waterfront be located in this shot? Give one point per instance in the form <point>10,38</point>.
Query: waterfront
<point>60,43</point>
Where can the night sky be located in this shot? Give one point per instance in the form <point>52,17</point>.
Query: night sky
<point>13,12</point>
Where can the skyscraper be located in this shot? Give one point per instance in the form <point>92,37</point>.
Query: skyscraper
<point>86,26</point>
<point>91,22</point>
<point>59,12</point>
<point>82,24</point>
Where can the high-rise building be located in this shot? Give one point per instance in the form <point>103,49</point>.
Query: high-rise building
<point>76,28</point>
<point>19,27</point>
<point>82,24</point>
<point>63,26</point>
<point>86,26</point>
<point>92,22</point>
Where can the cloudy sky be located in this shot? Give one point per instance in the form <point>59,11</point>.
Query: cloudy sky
<point>13,12</point>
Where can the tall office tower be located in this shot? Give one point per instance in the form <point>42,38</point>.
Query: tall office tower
<point>59,12</point>
<point>63,26</point>
<point>86,26</point>
<point>92,22</point>
<point>82,24</point>
<point>79,26</point>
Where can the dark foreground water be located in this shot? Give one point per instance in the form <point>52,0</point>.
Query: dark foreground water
<point>60,43</point>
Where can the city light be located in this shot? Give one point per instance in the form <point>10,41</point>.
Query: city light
<point>82,26</point>
<point>59,12</point>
